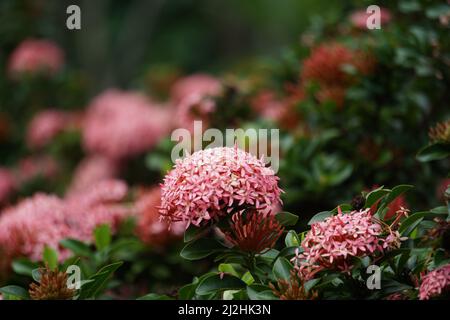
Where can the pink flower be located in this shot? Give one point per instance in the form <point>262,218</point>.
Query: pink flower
<point>215,182</point>
<point>359,18</point>
<point>91,170</point>
<point>34,56</point>
<point>123,124</point>
<point>150,228</point>
<point>45,126</point>
<point>332,243</point>
<point>197,84</point>
<point>435,283</point>
<point>32,224</point>
<point>37,166</point>
<point>45,220</point>
<point>7,184</point>
<point>192,98</point>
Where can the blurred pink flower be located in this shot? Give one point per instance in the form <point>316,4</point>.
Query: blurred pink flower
<point>215,182</point>
<point>332,243</point>
<point>359,18</point>
<point>197,84</point>
<point>121,124</point>
<point>7,184</point>
<point>91,170</point>
<point>435,283</point>
<point>150,228</point>
<point>45,220</point>
<point>34,56</point>
<point>45,126</point>
<point>32,167</point>
<point>192,98</point>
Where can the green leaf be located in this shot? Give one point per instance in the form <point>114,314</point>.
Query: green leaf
<point>194,232</point>
<point>36,274</point>
<point>24,266</point>
<point>287,219</point>
<point>200,249</point>
<point>260,292</point>
<point>436,151</point>
<point>248,278</point>
<point>100,279</point>
<point>155,296</point>
<point>77,247</point>
<point>410,223</point>
<point>50,257</point>
<point>282,268</point>
<point>227,268</point>
<point>15,291</point>
<point>320,217</point>
<point>375,195</point>
<point>102,236</point>
<point>397,191</point>
<point>310,284</point>
<point>216,283</point>
<point>292,239</point>
<point>187,292</point>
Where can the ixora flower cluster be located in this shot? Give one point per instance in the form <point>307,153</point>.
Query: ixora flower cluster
<point>24,228</point>
<point>435,283</point>
<point>334,242</point>
<point>215,182</point>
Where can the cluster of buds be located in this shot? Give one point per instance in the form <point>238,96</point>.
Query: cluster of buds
<point>52,286</point>
<point>440,132</point>
<point>292,289</point>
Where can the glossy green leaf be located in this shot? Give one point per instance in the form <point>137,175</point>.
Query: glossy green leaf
<point>282,268</point>
<point>287,219</point>
<point>102,235</point>
<point>217,282</point>
<point>200,249</point>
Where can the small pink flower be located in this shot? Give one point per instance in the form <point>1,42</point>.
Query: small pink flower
<point>197,84</point>
<point>435,283</point>
<point>192,98</point>
<point>150,228</point>
<point>45,126</point>
<point>359,18</point>
<point>332,243</point>
<point>44,220</point>
<point>32,167</point>
<point>7,184</point>
<point>35,56</point>
<point>215,182</point>
<point>121,124</point>
<point>91,170</point>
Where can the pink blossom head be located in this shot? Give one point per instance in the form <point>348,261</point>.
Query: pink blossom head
<point>215,182</point>
<point>36,56</point>
<point>195,85</point>
<point>359,18</point>
<point>150,228</point>
<point>45,126</point>
<point>37,166</point>
<point>7,184</point>
<point>122,124</point>
<point>332,243</point>
<point>44,220</point>
<point>91,170</point>
<point>435,283</point>
<point>32,224</point>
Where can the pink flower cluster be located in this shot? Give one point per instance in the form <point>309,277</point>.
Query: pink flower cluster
<point>91,170</point>
<point>214,182</point>
<point>332,243</point>
<point>150,228</point>
<point>34,56</point>
<point>435,283</point>
<point>192,99</point>
<point>121,124</point>
<point>45,220</point>
<point>45,126</point>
